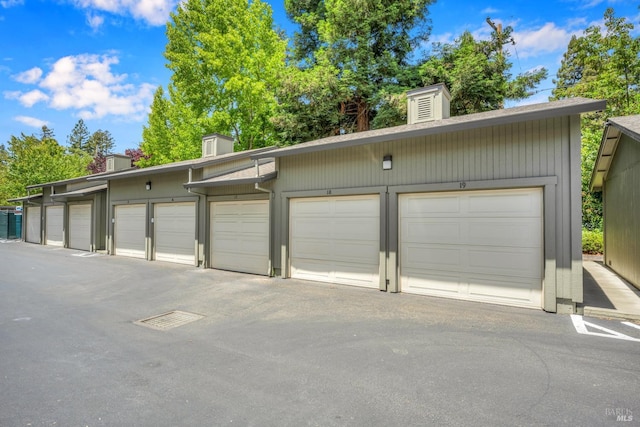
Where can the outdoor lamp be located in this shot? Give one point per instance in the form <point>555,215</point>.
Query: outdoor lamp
<point>148,185</point>
<point>386,162</point>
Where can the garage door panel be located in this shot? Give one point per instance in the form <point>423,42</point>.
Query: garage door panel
<point>507,204</point>
<point>434,283</point>
<point>494,232</point>
<point>239,236</point>
<point>359,208</point>
<point>514,263</point>
<point>130,230</point>
<point>436,257</point>
<point>54,227</point>
<point>512,292</point>
<point>336,239</point>
<point>80,227</point>
<point>356,229</point>
<point>415,206</point>
<point>33,224</point>
<point>431,231</point>
<point>489,250</point>
<point>174,232</point>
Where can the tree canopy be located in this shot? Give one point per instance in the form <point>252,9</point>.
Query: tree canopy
<point>603,63</point>
<point>30,159</point>
<point>226,60</point>
<point>477,73</point>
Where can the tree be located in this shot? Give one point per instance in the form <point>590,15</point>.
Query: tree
<point>99,162</point>
<point>100,142</point>
<point>368,42</point>
<point>78,137</point>
<point>477,73</point>
<point>225,58</point>
<point>603,63</point>
<point>30,160</point>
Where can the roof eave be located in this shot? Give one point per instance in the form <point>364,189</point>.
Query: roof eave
<point>449,125</point>
<point>241,181</point>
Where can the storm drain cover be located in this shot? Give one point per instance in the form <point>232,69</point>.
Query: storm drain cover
<point>169,320</point>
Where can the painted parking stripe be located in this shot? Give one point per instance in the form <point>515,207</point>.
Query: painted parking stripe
<point>633,325</point>
<point>581,327</point>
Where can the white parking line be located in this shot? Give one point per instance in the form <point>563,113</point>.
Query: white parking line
<point>633,325</point>
<point>581,328</point>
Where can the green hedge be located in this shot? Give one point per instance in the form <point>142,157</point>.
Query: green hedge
<point>592,242</point>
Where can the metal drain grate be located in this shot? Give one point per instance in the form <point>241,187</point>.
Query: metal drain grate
<point>169,320</point>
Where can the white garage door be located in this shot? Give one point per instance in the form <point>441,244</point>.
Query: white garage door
<point>175,231</point>
<point>33,224</point>
<point>80,226</point>
<point>240,236</point>
<point>481,245</point>
<point>53,228</point>
<point>130,232</point>
<point>336,239</point>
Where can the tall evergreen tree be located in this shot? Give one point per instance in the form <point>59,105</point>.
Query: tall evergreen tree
<point>368,42</point>
<point>79,136</point>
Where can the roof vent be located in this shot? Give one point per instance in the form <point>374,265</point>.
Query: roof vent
<point>215,145</point>
<point>117,162</point>
<point>428,104</point>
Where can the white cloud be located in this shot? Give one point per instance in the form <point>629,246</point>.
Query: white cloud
<point>153,12</point>
<point>29,77</point>
<point>31,121</point>
<point>95,21</point>
<point>540,41</point>
<point>87,84</point>
<point>29,99</point>
<point>489,10</point>
<point>11,3</point>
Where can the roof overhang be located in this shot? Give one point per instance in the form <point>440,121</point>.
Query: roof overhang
<point>564,107</point>
<point>613,130</point>
<point>61,182</point>
<point>81,192</point>
<point>263,172</point>
<point>180,166</point>
<point>29,198</point>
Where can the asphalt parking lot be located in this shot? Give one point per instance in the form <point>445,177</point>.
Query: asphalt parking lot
<point>274,352</point>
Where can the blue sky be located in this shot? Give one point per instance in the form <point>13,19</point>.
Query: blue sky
<point>101,60</point>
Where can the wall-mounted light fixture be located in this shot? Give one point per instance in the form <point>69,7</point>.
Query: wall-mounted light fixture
<point>148,185</point>
<point>386,162</point>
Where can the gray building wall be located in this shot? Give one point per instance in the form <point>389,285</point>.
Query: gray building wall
<point>621,206</point>
<point>539,153</point>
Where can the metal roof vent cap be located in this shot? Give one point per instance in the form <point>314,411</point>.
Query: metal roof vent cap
<point>428,104</point>
<point>117,162</point>
<point>215,145</point>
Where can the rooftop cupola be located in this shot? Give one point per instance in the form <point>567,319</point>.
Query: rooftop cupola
<point>428,104</point>
<point>215,144</point>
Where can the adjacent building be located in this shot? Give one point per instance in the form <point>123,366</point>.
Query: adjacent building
<point>484,207</point>
<point>617,174</point>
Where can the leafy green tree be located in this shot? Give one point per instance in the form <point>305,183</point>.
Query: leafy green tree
<point>600,64</point>
<point>29,160</point>
<point>477,73</point>
<point>365,44</point>
<point>225,58</point>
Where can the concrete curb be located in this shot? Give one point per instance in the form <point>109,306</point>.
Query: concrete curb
<point>606,313</point>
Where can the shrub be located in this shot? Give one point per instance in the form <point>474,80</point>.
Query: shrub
<point>592,242</point>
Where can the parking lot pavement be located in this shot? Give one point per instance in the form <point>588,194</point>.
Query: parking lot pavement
<point>274,352</point>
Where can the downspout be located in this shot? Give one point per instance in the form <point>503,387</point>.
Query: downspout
<point>190,181</point>
<point>257,185</point>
